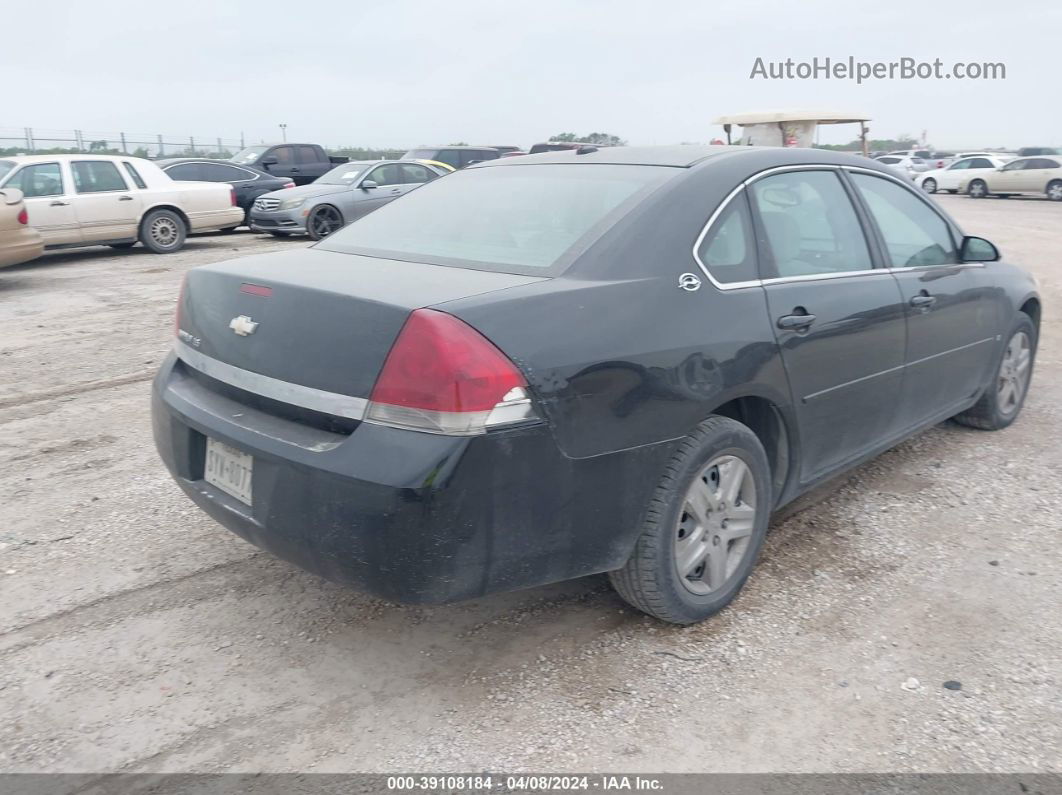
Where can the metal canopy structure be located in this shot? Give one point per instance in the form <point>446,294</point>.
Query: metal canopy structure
<point>791,124</point>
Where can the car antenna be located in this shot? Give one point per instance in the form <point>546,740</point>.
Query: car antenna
<point>585,149</point>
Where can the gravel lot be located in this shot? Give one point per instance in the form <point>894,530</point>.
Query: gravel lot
<point>136,635</point>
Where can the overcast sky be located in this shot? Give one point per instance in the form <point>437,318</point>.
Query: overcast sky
<point>406,72</point>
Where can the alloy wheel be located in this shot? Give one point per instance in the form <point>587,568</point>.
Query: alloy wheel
<point>1014,373</point>
<point>164,231</point>
<point>715,525</point>
<point>325,221</point>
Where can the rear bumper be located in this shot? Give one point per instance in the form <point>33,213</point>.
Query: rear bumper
<point>216,219</point>
<point>20,246</point>
<point>410,517</point>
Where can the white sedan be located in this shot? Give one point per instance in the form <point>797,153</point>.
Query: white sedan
<point>958,173</point>
<point>104,200</point>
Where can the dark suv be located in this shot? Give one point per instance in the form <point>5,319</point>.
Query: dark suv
<point>456,156</point>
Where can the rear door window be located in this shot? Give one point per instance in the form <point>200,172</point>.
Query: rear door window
<point>386,175</point>
<point>413,174</point>
<point>728,249</point>
<point>810,225</point>
<point>914,234</point>
<point>285,155</point>
<point>97,176</point>
<point>219,172</point>
<point>186,172</point>
<point>451,157</point>
<point>134,174</point>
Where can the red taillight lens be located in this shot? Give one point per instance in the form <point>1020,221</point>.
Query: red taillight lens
<point>289,185</point>
<point>23,217</point>
<point>232,196</point>
<point>177,313</point>
<point>443,376</point>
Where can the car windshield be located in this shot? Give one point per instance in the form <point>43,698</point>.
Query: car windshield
<point>515,219</point>
<point>341,175</point>
<point>249,155</point>
<point>5,168</point>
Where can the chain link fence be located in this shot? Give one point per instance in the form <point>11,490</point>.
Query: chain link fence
<point>30,140</point>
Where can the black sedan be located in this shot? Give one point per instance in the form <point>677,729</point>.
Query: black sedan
<point>611,361</point>
<point>249,182</point>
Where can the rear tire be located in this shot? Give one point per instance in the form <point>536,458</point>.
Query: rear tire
<point>163,231</point>
<point>1004,396</point>
<point>1054,190</point>
<point>704,526</point>
<point>978,189</point>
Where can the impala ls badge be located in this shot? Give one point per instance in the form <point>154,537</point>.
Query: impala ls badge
<point>243,325</point>
<point>689,282</point>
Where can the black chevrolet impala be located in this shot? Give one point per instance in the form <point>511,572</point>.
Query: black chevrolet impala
<point>589,361</point>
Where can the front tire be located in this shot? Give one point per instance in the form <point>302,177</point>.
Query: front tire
<point>323,221</point>
<point>1004,397</point>
<point>978,189</point>
<point>929,185</point>
<point>1054,190</point>
<point>163,231</point>
<point>704,526</point>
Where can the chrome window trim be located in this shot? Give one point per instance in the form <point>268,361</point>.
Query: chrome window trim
<point>818,276</point>
<point>273,388</point>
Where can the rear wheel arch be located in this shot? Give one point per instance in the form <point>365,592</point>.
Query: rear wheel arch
<point>171,207</point>
<point>767,421</point>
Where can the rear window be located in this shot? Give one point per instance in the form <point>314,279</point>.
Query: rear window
<point>519,219</point>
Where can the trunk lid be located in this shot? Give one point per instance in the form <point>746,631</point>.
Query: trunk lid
<point>324,319</point>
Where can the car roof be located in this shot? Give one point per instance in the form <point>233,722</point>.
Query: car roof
<point>680,156</point>
<point>415,148</point>
<point>53,158</point>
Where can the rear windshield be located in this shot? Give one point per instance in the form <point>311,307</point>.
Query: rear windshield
<point>5,168</point>
<point>515,219</point>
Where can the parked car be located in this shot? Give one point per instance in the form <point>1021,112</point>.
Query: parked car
<point>301,163</point>
<point>506,151</point>
<point>907,167</point>
<point>533,370</point>
<point>1037,175</point>
<point>249,182</point>
<point>105,200</point>
<point>1031,151</point>
<point>553,146</point>
<point>444,168</point>
<point>19,242</point>
<point>921,154</point>
<point>958,173</point>
<point>456,156</point>
<point>345,193</point>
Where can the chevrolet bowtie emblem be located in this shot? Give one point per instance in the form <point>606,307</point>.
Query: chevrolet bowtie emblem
<point>243,325</point>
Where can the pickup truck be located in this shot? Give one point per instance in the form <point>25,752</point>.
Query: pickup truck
<point>302,163</point>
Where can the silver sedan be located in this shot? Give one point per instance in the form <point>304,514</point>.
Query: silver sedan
<point>340,196</point>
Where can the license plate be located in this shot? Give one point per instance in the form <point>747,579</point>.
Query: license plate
<point>229,469</point>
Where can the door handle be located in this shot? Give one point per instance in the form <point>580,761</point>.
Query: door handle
<point>795,322</point>
<point>923,300</point>
<point>58,203</point>
<point>125,198</point>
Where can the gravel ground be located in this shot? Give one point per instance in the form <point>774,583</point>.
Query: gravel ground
<point>136,635</point>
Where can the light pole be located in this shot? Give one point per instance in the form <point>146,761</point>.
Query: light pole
<point>284,132</point>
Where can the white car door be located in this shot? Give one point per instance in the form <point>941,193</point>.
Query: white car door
<point>105,206</point>
<point>1009,178</point>
<point>47,189</point>
<point>948,178</point>
<point>971,168</point>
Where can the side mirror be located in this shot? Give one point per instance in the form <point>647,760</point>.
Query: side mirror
<point>269,161</point>
<point>977,249</point>
<point>11,195</point>
<point>368,184</point>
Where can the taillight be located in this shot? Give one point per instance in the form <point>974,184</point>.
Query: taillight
<point>177,313</point>
<point>23,217</point>
<point>288,185</point>
<point>443,376</point>
<point>232,196</point>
